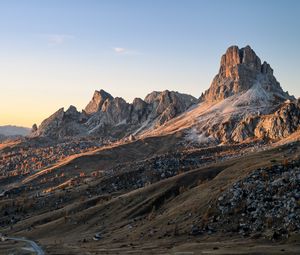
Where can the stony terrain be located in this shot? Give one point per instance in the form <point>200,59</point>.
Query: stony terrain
<point>167,212</point>
<point>31,156</point>
<point>266,203</point>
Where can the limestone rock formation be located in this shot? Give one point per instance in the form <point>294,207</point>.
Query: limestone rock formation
<point>113,118</point>
<point>122,118</point>
<point>61,124</point>
<point>275,126</point>
<point>167,104</point>
<point>97,101</point>
<point>240,70</point>
<point>245,102</point>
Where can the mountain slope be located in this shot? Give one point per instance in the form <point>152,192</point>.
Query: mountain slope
<point>167,213</point>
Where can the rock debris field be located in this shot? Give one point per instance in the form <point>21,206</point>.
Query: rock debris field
<point>267,202</point>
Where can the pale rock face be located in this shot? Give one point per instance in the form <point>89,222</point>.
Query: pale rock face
<point>168,104</point>
<point>282,123</point>
<point>50,124</point>
<point>61,124</point>
<point>241,69</point>
<point>97,101</point>
<point>247,102</point>
<point>156,109</point>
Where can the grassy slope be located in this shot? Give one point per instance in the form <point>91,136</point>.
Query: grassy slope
<point>160,215</point>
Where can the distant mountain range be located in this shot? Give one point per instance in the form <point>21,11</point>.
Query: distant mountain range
<point>9,130</point>
<point>244,102</point>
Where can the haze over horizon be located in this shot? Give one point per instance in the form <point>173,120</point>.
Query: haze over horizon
<point>56,53</point>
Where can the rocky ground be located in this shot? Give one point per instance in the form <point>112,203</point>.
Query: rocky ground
<point>178,210</point>
<point>266,203</point>
<point>29,156</point>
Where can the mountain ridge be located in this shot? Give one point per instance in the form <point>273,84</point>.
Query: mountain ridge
<point>235,108</point>
<point>12,130</point>
<point>114,118</point>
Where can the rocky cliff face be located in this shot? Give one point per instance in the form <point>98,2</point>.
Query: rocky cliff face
<point>241,70</point>
<point>99,98</point>
<point>245,103</point>
<point>250,127</point>
<point>60,124</point>
<point>113,118</point>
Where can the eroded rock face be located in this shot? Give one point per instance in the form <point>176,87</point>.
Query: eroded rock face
<point>279,124</point>
<point>168,104</point>
<point>240,70</point>
<point>61,124</point>
<point>114,118</point>
<point>282,123</point>
<point>247,102</point>
<point>97,101</point>
<point>125,118</point>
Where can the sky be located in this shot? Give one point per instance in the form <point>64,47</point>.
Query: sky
<point>56,53</point>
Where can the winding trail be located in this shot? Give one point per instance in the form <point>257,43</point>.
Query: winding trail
<point>38,250</point>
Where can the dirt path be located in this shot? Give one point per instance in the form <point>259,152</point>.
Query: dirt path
<point>38,250</point>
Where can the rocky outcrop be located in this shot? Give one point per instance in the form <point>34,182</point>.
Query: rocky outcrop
<point>34,128</point>
<point>252,126</point>
<point>113,118</point>
<point>240,70</point>
<point>99,98</point>
<point>245,103</point>
<point>123,119</point>
<point>61,124</point>
<point>282,123</point>
<point>166,105</point>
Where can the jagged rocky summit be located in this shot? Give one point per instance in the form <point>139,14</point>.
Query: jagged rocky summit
<point>242,70</point>
<point>112,118</point>
<point>245,102</point>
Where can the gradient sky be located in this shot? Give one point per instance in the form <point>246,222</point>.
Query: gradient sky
<point>54,53</point>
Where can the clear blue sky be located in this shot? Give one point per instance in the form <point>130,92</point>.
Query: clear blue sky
<point>54,53</point>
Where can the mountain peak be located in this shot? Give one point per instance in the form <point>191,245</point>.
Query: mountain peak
<point>241,70</point>
<point>235,56</point>
<point>97,101</point>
